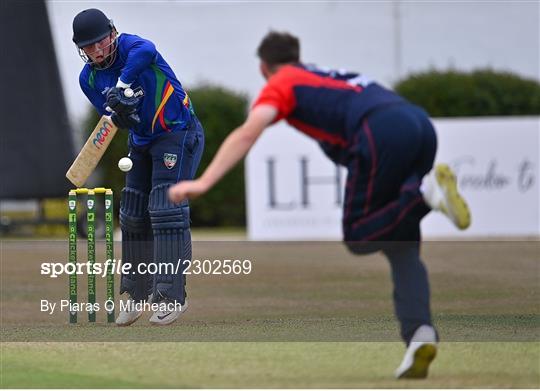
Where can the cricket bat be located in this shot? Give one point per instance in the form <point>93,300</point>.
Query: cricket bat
<point>92,151</point>
<point>86,161</point>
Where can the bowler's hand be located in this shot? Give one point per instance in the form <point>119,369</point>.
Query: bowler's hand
<point>187,190</point>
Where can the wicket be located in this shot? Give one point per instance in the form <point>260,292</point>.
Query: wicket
<point>91,247</point>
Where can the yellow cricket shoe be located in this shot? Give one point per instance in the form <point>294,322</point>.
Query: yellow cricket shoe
<point>419,355</point>
<point>452,204</point>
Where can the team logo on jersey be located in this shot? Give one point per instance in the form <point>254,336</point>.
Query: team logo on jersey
<point>170,160</point>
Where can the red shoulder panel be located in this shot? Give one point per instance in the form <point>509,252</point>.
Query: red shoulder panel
<point>279,90</point>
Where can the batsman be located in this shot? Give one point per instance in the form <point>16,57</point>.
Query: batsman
<point>388,146</point>
<point>166,141</point>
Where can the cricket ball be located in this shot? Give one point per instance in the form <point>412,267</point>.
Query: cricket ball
<point>125,164</point>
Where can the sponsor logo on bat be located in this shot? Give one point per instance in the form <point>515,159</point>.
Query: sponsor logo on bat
<point>102,134</point>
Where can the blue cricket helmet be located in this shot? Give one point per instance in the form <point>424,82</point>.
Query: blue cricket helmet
<point>91,26</point>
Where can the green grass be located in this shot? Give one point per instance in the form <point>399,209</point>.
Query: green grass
<point>336,307</point>
<point>262,365</point>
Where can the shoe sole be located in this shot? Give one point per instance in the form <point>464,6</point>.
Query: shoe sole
<point>458,209</point>
<point>422,358</point>
<point>169,322</point>
<point>164,323</point>
<point>130,323</point>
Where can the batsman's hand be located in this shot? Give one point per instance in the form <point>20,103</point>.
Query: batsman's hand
<point>119,103</point>
<point>125,120</point>
<point>187,190</point>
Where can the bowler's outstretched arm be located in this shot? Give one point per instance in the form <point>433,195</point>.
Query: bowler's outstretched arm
<point>234,148</point>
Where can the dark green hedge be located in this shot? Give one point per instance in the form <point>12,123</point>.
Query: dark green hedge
<point>479,93</point>
<point>220,111</point>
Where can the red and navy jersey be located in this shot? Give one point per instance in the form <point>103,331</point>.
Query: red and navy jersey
<point>326,105</point>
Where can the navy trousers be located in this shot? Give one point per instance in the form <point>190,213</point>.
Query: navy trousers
<point>169,159</point>
<point>154,229</point>
<point>393,149</point>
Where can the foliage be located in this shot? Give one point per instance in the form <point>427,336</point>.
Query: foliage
<point>482,92</point>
